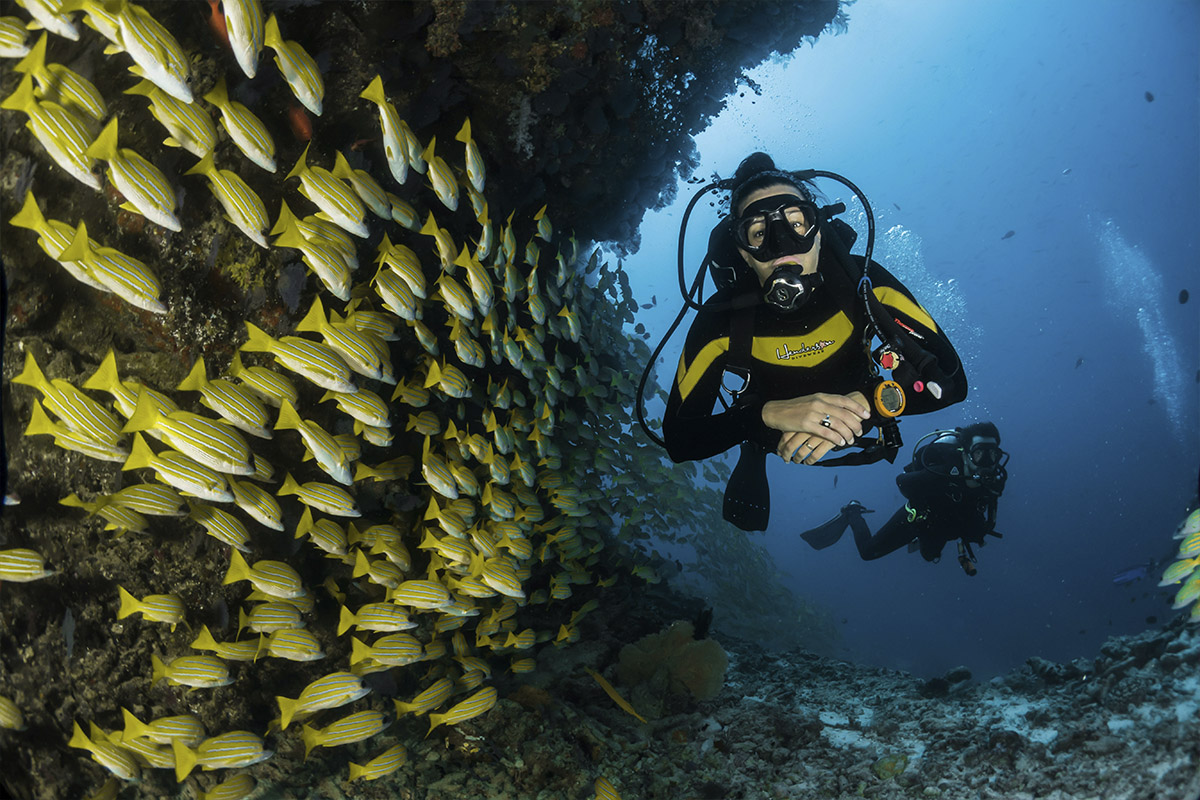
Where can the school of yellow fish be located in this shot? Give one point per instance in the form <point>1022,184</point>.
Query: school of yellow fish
<point>525,474</point>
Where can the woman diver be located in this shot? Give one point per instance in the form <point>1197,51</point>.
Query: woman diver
<point>785,342</point>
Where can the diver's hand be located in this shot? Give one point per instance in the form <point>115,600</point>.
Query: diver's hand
<point>805,438</point>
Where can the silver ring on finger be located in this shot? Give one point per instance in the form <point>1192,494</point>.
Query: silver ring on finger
<point>826,422</point>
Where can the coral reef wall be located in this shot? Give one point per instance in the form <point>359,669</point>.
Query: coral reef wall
<point>586,108</point>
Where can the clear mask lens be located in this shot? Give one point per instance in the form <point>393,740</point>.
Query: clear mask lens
<point>777,226</point>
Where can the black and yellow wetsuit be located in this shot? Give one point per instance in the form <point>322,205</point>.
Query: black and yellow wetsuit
<point>818,348</point>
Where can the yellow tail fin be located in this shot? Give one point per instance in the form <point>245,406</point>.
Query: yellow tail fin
<point>374,92</point>
<point>105,146</point>
<point>129,604</point>
<point>30,216</point>
<point>196,380</point>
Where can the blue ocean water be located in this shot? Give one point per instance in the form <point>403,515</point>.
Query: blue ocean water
<point>1075,126</point>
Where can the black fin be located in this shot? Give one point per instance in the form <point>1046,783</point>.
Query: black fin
<point>827,534</point>
<point>747,494</point>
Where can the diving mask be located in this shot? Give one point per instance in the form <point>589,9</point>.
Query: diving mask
<point>777,226</point>
<point>984,459</point>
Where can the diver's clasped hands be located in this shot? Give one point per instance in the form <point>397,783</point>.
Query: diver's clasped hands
<point>814,424</point>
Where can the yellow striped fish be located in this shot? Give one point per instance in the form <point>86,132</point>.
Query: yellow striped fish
<point>21,565</point>
<point>437,473</point>
<point>153,49</point>
<point>366,187</point>
<point>475,169</point>
<point>227,651</point>
<point>188,125</point>
<point>198,671</point>
<point>322,257</point>
<point>449,379</point>
<point>353,728</point>
<point>145,188</point>
<point>180,471</point>
<point>79,412</point>
<point>233,402</point>
<point>221,525</point>
<point>325,449</point>
<point>322,496</point>
<point>64,437</point>
<point>377,617</point>
<point>324,533</point>
<point>270,616</point>
<point>401,260</point>
<point>266,383</point>
<point>456,298</point>
<point>298,68</point>
<point>605,790</point>
<point>242,206</point>
<point>381,572</point>
<point>477,278</point>
<point>123,275</point>
<point>227,751</point>
<point>244,128</point>
<point>432,697</point>
<point>396,649</point>
<point>331,195</point>
<point>207,441</point>
<point>59,84</point>
<point>365,355</point>
<point>53,237</point>
<point>440,177</point>
<point>479,703</point>
<point>125,393</point>
<point>364,406</point>
<point>383,764</point>
<point>62,132</point>
<point>294,644</point>
<point>154,607</point>
<point>118,518</point>
<point>12,38</point>
<point>315,361</point>
<point>244,22</point>
<point>113,758</point>
<point>442,239</point>
<point>258,503</point>
<point>420,594</point>
<point>274,578</point>
<point>149,498</point>
<point>393,138</point>
<point>163,730</point>
<point>240,785</point>
<point>333,690</point>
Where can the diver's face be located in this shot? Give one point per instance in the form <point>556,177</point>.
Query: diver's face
<point>763,269</point>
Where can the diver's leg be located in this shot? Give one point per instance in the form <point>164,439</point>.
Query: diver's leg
<point>895,533</point>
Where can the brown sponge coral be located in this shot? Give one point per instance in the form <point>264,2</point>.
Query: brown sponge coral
<point>674,658</point>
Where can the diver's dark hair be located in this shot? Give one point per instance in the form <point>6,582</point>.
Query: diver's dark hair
<point>985,430</point>
<point>758,170</point>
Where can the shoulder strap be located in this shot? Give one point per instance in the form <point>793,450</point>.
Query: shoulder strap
<point>739,365</point>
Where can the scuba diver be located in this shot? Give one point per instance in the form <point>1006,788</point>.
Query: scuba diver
<point>951,486</point>
<point>785,343</point>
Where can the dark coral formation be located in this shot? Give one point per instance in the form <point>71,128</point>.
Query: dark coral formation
<point>586,107</point>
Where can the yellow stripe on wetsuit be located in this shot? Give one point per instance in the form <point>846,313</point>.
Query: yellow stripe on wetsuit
<point>806,350</point>
<point>896,299</point>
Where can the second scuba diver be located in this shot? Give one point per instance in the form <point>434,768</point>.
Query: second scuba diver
<point>951,486</point>
<point>784,345</point>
